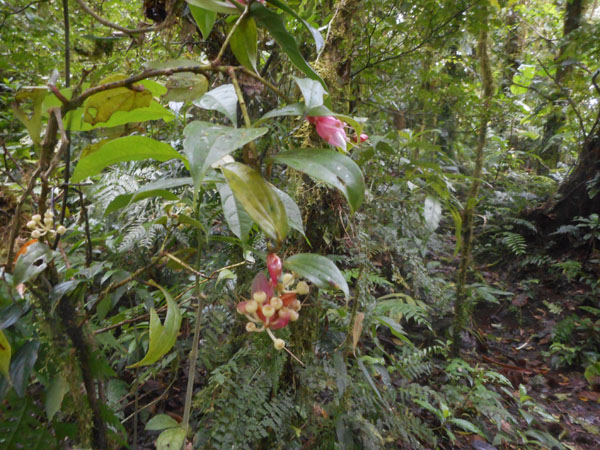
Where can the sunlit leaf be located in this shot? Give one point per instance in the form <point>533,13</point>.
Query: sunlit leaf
<point>215,6</point>
<point>55,395</point>
<point>160,422</point>
<point>171,439</point>
<point>5,352</point>
<point>128,148</point>
<point>155,189</point>
<point>99,107</point>
<point>240,223</point>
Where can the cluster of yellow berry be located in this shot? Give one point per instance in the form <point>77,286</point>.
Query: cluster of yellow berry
<point>273,304</point>
<point>40,228</point>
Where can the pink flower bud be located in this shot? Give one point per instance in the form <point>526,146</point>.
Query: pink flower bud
<point>330,129</point>
<point>274,266</point>
<point>363,137</point>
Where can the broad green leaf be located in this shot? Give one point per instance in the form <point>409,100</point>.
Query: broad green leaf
<point>99,107</point>
<point>162,337</point>
<point>244,43</point>
<point>331,168</point>
<point>313,31</point>
<point>367,375</point>
<point>187,220</point>
<point>292,211</point>
<point>31,263</point>
<point>467,426</point>
<point>156,88</point>
<point>206,143</point>
<point>240,223</point>
<point>432,212</point>
<point>319,270</point>
<point>215,5</point>
<point>155,111</point>
<point>128,148</point>
<point>55,395</point>
<point>171,439</point>
<point>274,23</point>
<point>222,99</point>
<point>155,189</point>
<point>312,91</point>
<point>185,87</point>
<point>5,352</point>
<point>204,18</point>
<point>160,422</point>
<point>592,373</point>
<point>33,121</point>
<point>295,109</point>
<point>258,199</point>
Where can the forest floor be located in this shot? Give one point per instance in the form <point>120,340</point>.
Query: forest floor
<point>517,335</point>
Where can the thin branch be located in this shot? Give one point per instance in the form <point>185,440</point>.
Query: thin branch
<point>128,31</point>
<point>250,156</point>
<point>19,11</point>
<point>233,30</point>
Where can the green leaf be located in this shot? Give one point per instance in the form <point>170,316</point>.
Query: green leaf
<point>206,143</point>
<point>319,42</point>
<point>162,338</point>
<point>5,352</point>
<point>312,91</point>
<point>467,426</point>
<point>204,18</point>
<point>155,189</point>
<point>329,167</point>
<point>258,199</point>
<point>9,315</point>
<point>592,373</point>
<point>55,395</point>
<point>274,23</point>
<point>294,216</point>
<point>31,263</point>
<point>33,122</point>
<point>171,439</point>
<point>295,109</point>
<point>160,422</point>
<point>240,223</point>
<point>244,43</point>
<point>319,270</point>
<point>153,112</point>
<point>22,364</point>
<point>222,99</point>
<point>215,6</point>
<point>128,148</point>
<point>185,87</point>
<point>99,107</point>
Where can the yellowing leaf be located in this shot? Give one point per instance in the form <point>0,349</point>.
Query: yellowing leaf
<point>99,107</point>
<point>5,352</point>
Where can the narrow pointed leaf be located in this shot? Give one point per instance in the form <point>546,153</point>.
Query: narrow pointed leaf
<point>261,203</point>
<point>319,270</point>
<point>240,223</point>
<point>55,395</point>
<point>331,168</point>
<point>128,148</point>
<point>319,42</point>
<point>155,189</point>
<point>162,337</point>
<point>295,109</point>
<point>206,143</point>
<point>275,25</point>
<point>204,18</point>
<point>244,43</point>
<point>294,216</point>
